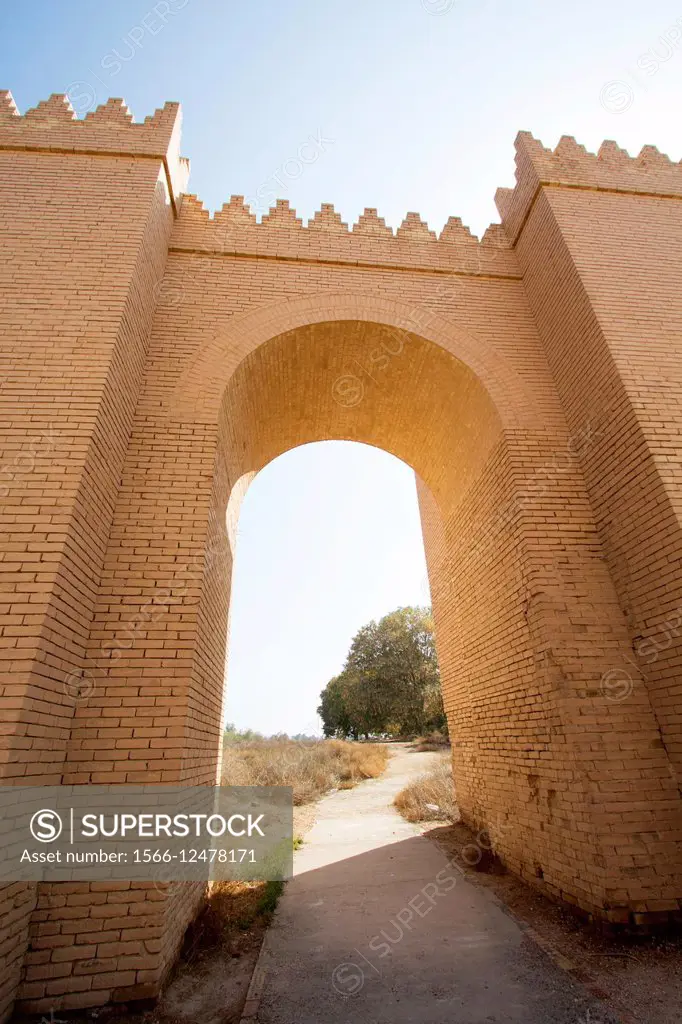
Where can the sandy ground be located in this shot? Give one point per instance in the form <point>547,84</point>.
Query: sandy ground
<point>304,819</point>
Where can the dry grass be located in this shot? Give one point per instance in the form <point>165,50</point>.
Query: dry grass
<point>431,797</point>
<point>435,741</point>
<point>236,906</point>
<point>311,767</point>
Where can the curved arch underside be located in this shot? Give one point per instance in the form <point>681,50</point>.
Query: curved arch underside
<point>510,549</point>
<point>360,381</point>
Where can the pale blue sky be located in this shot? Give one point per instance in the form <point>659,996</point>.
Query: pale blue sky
<point>329,538</point>
<point>420,101</point>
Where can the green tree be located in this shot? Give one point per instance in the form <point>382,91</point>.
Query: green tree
<point>390,682</point>
<point>333,711</point>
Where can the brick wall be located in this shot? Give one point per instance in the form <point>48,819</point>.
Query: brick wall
<point>86,215</point>
<point>176,354</point>
<point>608,296</point>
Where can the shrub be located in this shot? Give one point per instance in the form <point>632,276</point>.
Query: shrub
<point>431,797</point>
<point>435,740</point>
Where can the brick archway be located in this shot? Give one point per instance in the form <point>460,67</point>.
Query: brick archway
<point>527,618</point>
<point>160,355</point>
<point>202,383</point>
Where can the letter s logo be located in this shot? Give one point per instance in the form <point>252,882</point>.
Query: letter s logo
<point>46,826</point>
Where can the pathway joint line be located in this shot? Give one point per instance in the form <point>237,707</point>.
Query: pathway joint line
<point>254,992</point>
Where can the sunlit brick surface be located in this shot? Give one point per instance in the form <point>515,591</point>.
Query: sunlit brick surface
<point>155,358</point>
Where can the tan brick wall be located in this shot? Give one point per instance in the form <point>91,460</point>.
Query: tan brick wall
<point>85,234</point>
<point>170,388</point>
<point>16,905</point>
<point>609,297</point>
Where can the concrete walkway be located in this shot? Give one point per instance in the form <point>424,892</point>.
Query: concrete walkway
<point>377,928</point>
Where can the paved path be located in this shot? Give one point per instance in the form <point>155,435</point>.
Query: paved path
<point>377,928</point>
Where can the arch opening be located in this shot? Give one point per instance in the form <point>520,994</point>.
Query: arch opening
<point>329,539</point>
<point>510,543</point>
<point>365,381</point>
<point>358,380</point>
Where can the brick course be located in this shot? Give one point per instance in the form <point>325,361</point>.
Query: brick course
<point>155,358</point>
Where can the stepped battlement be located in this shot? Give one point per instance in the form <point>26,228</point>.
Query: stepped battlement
<point>572,165</point>
<point>53,126</point>
<point>234,229</point>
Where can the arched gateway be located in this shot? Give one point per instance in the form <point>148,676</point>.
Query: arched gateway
<point>155,358</point>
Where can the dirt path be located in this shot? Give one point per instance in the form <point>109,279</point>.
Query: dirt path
<point>377,928</point>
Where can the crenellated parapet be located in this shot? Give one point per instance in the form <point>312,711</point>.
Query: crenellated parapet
<point>52,126</point>
<point>571,165</point>
<point>234,230</point>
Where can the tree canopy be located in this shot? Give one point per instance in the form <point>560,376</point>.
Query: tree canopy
<point>390,684</point>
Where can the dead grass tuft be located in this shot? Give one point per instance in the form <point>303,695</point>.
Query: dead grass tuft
<point>311,767</point>
<point>236,906</point>
<point>435,741</point>
<point>431,797</point>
